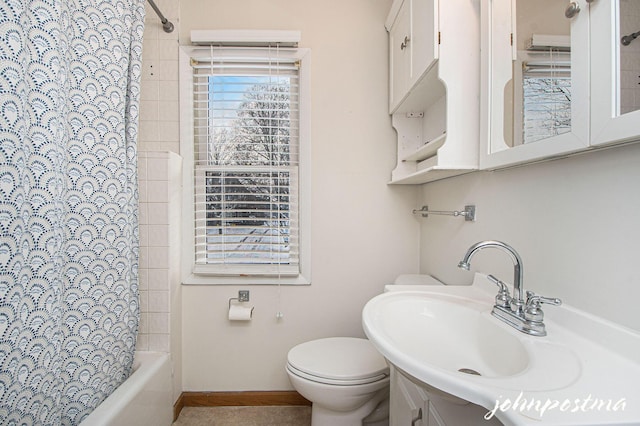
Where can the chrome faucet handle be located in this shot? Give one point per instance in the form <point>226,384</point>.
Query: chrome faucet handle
<point>502,298</point>
<point>532,311</point>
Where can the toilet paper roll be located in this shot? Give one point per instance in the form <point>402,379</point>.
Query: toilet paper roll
<point>238,312</point>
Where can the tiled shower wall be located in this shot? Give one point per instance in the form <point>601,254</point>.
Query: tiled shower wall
<point>159,215</point>
<point>159,110</point>
<point>159,179</point>
<point>630,56</point>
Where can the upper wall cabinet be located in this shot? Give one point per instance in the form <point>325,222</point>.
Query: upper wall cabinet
<point>413,45</point>
<point>434,85</point>
<point>615,71</point>
<point>555,79</point>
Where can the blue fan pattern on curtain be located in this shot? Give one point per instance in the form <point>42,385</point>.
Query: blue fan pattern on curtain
<point>69,96</point>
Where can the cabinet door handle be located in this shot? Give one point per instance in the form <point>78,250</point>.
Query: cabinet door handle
<point>405,43</point>
<point>417,418</point>
<point>572,10</point>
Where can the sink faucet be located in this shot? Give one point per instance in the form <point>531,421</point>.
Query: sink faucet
<point>516,301</point>
<point>525,316</point>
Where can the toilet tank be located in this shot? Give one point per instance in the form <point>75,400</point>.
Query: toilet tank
<point>409,281</point>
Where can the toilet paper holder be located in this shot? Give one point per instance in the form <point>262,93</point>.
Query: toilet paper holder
<point>243,296</point>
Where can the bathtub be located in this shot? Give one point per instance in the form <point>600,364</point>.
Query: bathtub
<point>143,399</point>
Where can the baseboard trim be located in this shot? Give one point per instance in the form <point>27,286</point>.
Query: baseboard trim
<point>237,399</point>
<point>178,406</point>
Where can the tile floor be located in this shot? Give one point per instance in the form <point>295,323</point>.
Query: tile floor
<point>245,416</point>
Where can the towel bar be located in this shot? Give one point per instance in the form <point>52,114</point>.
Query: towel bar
<point>469,212</point>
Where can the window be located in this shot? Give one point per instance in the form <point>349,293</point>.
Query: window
<point>546,94</point>
<point>248,159</point>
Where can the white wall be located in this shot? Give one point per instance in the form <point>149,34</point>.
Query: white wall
<point>574,221</point>
<point>363,232</point>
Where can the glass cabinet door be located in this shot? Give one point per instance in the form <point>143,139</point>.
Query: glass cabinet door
<point>535,81</point>
<point>615,78</point>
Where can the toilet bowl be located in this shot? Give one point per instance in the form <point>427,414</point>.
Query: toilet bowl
<point>345,379</point>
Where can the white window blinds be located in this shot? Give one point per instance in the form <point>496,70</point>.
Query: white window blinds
<point>246,160</point>
<point>546,87</point>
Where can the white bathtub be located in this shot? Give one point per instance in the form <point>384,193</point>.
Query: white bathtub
<point>143,399</point>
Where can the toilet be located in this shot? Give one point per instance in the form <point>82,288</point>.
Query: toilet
<point>345,378</point>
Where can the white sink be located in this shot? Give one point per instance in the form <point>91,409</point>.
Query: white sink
<point>448,332</point>
<point>432,335</point>
<point>446,337</point>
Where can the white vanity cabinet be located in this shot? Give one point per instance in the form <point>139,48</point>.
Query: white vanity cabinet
<point>409,404</point>
<point>533,48</point>
<point>415,404</point>
<point>434,73</point>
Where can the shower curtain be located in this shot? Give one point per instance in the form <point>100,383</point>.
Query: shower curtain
<point>69,95</point>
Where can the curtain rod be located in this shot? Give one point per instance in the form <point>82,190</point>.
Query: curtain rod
<point>167,26</point>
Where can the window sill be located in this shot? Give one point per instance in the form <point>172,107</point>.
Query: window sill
<point>197,279</point>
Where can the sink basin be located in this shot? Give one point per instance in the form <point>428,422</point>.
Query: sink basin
<point>452,333</point>
<point>446,339</point>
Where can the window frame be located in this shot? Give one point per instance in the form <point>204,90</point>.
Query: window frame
<point>202,274</point>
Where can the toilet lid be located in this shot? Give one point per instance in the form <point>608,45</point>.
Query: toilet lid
<point>339,359</point>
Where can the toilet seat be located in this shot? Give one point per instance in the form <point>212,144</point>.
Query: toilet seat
<point>339,361</point>
<point>327,381</point>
